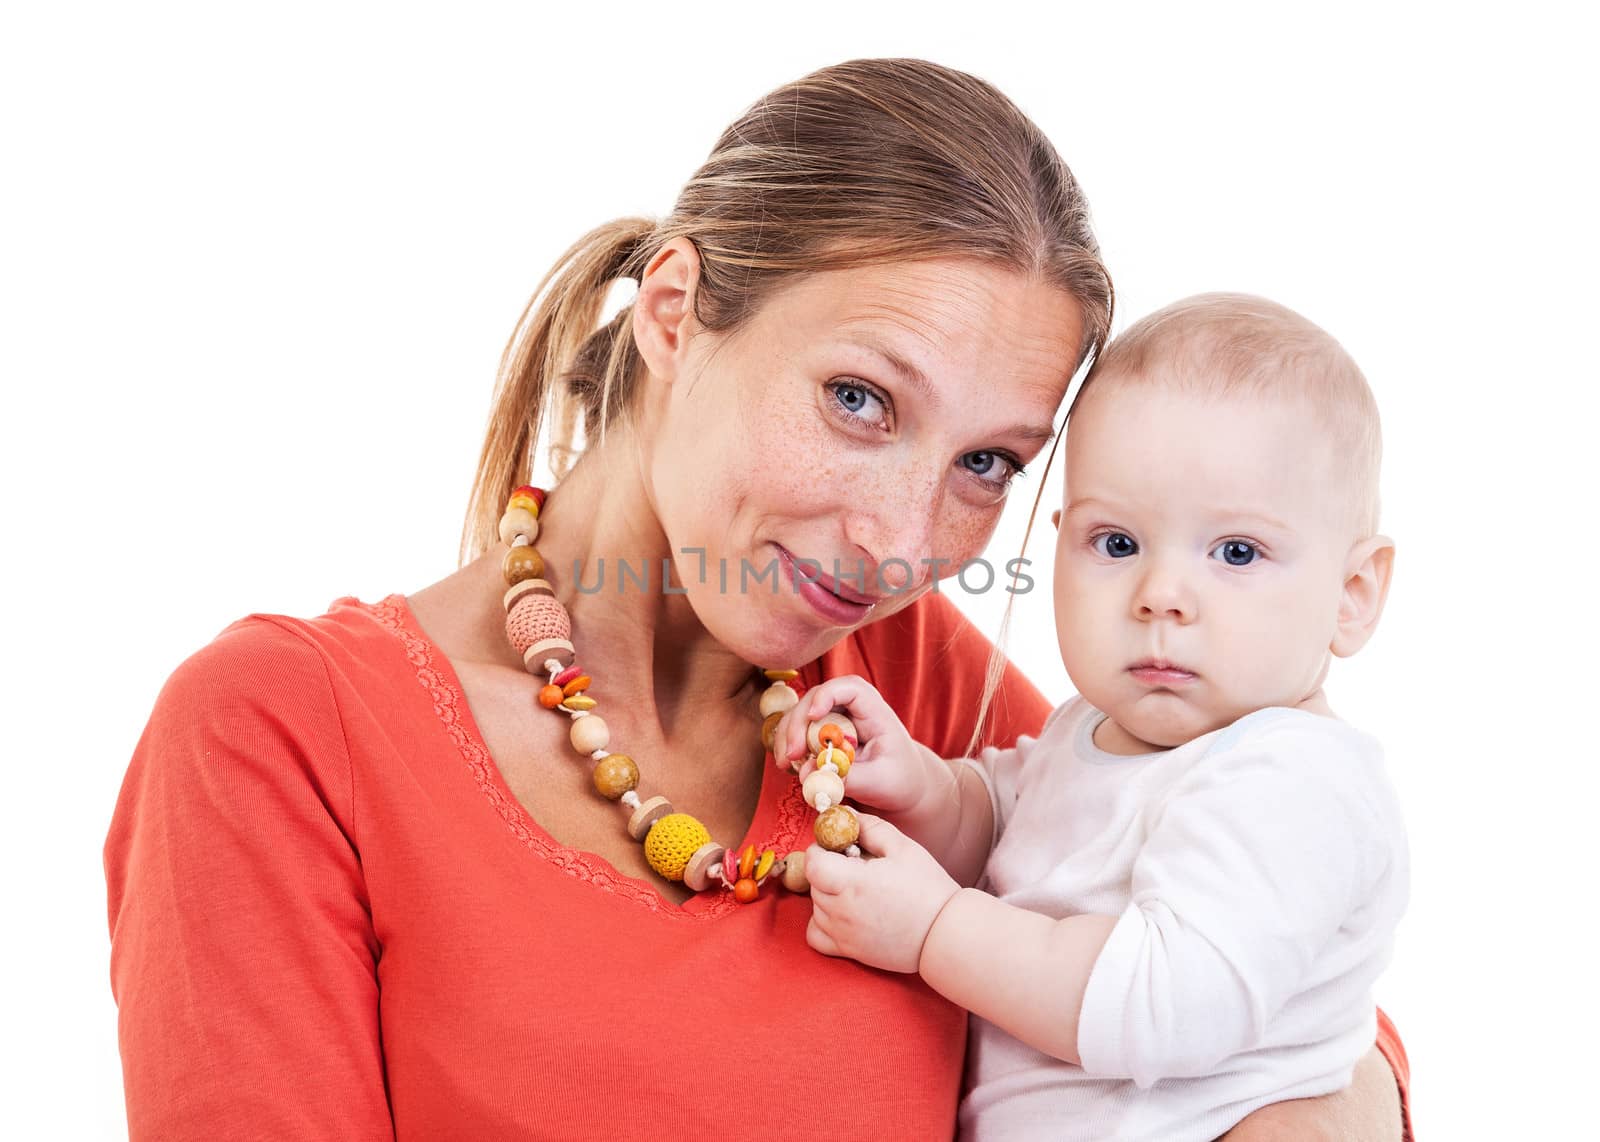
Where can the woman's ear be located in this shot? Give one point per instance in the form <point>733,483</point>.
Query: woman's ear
<point>663,309</point>
<point>1367,572</point>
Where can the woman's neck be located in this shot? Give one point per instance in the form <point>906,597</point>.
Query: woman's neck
<point>641,642</point>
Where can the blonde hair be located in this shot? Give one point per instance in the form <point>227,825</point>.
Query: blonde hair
<point>870,161</point>
<point>1239,344</point>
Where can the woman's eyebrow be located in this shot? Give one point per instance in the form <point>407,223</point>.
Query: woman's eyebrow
<point>918,381</point>
<point>908,372</point>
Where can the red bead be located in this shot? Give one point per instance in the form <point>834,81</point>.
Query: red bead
<point>746,891</point>
<point>537,494</point>
<point>730,867</point>
<point>567,675</point>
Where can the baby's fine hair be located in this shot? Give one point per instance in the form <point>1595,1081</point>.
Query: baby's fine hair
<point>1236,344</point>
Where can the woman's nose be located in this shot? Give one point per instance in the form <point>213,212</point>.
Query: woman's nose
<point>895,539</point>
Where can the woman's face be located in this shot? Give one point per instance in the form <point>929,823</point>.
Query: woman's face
<point>869,421</point>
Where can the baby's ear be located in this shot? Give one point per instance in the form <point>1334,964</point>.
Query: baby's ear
<point>1366,585</point>
<point>1055,518</point>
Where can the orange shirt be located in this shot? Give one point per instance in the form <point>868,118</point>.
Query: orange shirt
<point>330,918</point>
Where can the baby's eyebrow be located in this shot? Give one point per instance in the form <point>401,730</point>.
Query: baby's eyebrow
<point>1231,515</point>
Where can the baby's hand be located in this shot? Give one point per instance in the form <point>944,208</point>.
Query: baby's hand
<point>877,911</point>
<point>890,771</point>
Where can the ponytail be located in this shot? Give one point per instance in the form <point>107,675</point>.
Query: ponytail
<point>558,362</point>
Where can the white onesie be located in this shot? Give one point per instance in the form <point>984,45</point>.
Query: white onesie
<point>1257,874</point>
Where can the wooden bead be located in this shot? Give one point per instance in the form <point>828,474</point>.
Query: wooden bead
<point>841,757</point>
<point>577,686</point>
<point>589,733</point>
<point>646,815</point>
<point>550,697</point>
<point>546,648</point>
<point>778,699</point>
<point>781,675</point>
<point>767,726</point>
<point>837,829</point>
<point>822,783</point>
<point>765,864</point>
<point>794,873</point>
<point>522,563</point>
<point>516,591</point>
<point>833,719</point>
<point>518,521</point>
<point>615,774</point>
<point>697,873</point>
<point>579,702</point>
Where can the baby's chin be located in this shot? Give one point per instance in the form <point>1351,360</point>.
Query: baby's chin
<point>1165,720</point>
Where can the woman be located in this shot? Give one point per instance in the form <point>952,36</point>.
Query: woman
<point>358,886</point>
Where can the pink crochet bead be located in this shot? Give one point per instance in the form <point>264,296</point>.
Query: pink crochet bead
<point>537,617</point>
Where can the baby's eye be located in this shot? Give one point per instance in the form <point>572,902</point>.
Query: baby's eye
<point>1115,544</point>
<point>1235,552</point>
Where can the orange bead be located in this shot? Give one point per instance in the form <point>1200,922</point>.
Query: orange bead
<point>746,891</point>
<point>830,733</point>
<point>550,697</point>
<point>747,861</point>
<point>522,563</point>
<point>577,686</point>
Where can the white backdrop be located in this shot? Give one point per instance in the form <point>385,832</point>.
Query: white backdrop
<point>258,266</point>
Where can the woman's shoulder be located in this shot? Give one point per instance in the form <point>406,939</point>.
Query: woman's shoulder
<point>265,659</point>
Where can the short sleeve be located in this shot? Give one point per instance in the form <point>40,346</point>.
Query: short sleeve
<point>1000,767</point>
<point>928,661</point>
<point>243,959</point>
<point>1254,862</point>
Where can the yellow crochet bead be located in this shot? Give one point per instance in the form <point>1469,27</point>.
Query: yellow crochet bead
<point>672,841</point>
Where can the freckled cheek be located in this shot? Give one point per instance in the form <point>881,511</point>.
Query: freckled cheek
<point>963,533</point>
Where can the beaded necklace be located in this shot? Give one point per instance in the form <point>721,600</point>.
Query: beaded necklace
<point>676,845</point>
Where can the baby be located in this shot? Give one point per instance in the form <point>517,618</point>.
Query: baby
<point>1195,871</point>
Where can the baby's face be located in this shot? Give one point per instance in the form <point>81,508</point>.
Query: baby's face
<point>1199,560</point>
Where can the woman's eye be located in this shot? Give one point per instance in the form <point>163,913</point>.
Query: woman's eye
<point>1235,552</point>
<point>854,398</point>
<point>1115,544</point>
<point>994,468</point>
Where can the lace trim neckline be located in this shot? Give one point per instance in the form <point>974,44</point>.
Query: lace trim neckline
<point>438,678</point>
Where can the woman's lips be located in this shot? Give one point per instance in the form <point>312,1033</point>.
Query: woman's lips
<point>813,587</point>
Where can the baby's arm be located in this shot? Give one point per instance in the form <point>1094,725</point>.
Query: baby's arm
<point>941,804</point>
<point>1248,869</point>
<point>1023,971</point>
